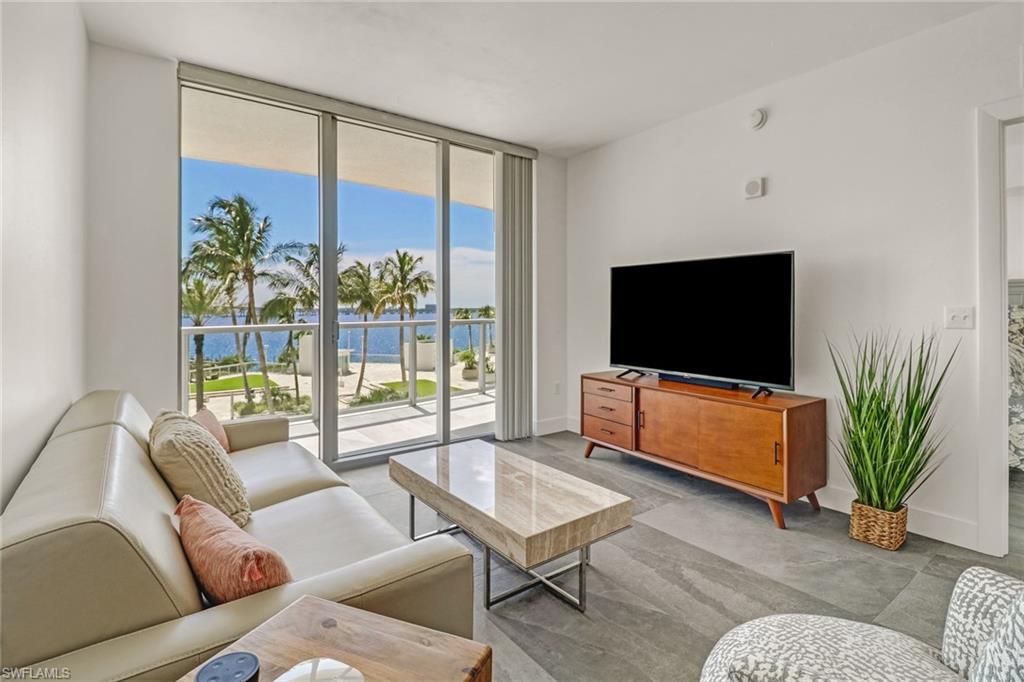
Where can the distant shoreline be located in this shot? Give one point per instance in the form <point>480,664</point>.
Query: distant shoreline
<point>382,344</point>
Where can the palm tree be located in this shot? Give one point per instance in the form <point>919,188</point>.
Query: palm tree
<point>362,288</point>
<point>487,312</point>
<point>236,241</point>
<point>283,307</point>
<point>298,288</point>
<point>465,314</point>
<point>301,279</point>
<point>218,270</point>
<point>404,282</point>
<point>201,299</point>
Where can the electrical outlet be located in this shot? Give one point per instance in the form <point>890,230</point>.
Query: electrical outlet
<point>558,388</point>
<point>958,317</point>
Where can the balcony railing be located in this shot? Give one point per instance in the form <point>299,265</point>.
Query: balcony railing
<point>295,375</point>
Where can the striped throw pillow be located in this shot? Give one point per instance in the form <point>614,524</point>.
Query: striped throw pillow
<point>193,463</point>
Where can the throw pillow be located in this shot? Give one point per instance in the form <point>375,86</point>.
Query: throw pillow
<point>193,463</point>
<point>228,562</point>
<point>208,420</point>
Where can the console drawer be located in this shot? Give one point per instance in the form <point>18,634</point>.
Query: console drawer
<point>608,390</point>
<point>608,431</point>
<point>608,408</point>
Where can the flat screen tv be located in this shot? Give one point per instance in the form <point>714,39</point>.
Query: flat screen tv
<point>723,321</point>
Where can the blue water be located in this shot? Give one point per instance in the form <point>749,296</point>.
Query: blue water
<point>382,345</point>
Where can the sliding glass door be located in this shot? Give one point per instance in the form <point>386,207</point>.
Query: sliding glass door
<point>279,201</point>
<point>249,232</point>
<point>472,292</point>
<point>388,357</point>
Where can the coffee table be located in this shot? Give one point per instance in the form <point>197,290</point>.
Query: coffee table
<point>381,648</point>
<point>525,511</point>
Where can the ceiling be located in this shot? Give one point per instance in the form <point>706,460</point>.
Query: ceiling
<point>226,129</point>
<point>561,77</point>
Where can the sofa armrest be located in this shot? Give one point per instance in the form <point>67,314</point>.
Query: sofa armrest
<point>429,583</point>
<point>980,599</point>
<point>252,431</point>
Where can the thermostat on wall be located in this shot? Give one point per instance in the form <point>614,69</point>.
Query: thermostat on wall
<point>754,188</point>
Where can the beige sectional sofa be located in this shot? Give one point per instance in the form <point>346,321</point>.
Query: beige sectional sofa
<point>93,577</point>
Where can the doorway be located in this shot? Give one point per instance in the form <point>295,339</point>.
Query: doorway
<point>1013,220</point>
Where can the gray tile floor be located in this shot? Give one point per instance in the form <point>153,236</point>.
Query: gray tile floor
<point>698,560</point>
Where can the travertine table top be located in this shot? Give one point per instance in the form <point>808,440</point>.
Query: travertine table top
<point>525,510</point>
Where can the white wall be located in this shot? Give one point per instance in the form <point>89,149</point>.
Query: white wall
<point>43,340</point>
<point>549,297</point>
<point>133,240</point>
<point>133,226</point>
<point>871,179</point>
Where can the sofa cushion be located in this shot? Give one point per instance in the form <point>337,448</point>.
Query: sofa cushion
<point>280,471</point>
<point>324,530</point>
<point>107,407</point>
<point>228,562</point>
<point>193,463</point>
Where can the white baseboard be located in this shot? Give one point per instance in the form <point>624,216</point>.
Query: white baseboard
<point>543,427</point>
<point>931,524</point>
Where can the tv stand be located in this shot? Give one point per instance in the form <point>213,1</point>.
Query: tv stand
<point>624,374</point>
<point>763,390</point>
<point>772,446</point>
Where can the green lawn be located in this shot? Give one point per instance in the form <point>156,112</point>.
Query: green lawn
<point>425,388</point>
<point>231,383</point>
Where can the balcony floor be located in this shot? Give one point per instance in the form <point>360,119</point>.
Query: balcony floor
<point>383,427</point>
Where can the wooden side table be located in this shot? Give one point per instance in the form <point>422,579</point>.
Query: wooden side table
<point>381,648</point>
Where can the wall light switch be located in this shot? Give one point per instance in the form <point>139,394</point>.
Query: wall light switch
<point>558,388</point>
<point>958,317</point>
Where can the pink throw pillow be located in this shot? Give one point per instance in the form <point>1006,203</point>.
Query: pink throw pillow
<point>208,420</point>
<point>228,562</point>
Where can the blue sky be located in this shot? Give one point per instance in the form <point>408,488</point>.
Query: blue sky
<point>372,221</point>
<point>370,218</point>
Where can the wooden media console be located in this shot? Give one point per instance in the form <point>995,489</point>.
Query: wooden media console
<point>772,447</point>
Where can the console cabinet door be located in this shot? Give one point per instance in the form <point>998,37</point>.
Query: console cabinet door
<point>667,425</point>
<point>742,443</point>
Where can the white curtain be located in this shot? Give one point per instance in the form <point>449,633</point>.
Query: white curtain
<point>514,254</point>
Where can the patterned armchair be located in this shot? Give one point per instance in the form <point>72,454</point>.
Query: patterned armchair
<point>983,642</point>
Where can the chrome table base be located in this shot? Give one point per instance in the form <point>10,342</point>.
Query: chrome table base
<point>542,579</point>
<point>412,524</point>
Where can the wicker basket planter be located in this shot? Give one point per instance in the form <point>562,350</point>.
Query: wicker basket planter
<point>884,529</point>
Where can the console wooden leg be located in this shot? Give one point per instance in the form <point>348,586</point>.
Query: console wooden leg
<point>590,448</point>
<point>813,499</point>
<point>776,508</point>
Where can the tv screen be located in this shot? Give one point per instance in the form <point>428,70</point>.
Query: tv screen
<point>728,319</point>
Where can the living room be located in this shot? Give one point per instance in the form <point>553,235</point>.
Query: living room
<point>520,171</point>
